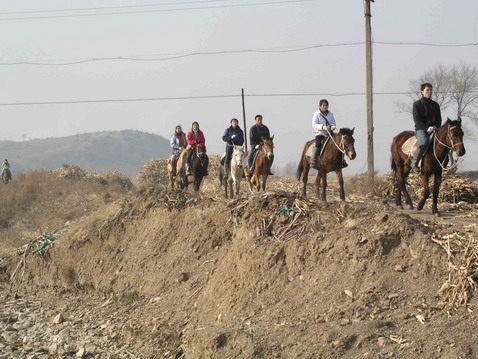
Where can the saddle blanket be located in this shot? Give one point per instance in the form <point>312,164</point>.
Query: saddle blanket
<point>324,143</point>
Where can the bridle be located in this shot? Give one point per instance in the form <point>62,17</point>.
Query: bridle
<point>340,147</point>
<point>452,148</point>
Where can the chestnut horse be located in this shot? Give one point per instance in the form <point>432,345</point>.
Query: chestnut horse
<point>339,145</point>
<point>448,137</point>
<point>263,163</point>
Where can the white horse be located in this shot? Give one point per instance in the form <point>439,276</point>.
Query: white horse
<point>234,180</point>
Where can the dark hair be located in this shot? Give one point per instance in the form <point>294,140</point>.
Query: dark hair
<point>260,116</point>
<point>178,126</point>
<point>321,102</point>
<point>234,119</point>
<point>425,85</point>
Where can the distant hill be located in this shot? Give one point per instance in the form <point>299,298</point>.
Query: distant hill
<point>123,151</point>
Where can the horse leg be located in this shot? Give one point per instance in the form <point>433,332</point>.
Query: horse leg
<point>436,189</point>
<point>324,186</point>
<point>305,177</point>
<point>402,188</point>
<point>224,182</point>
<point>425,192</point>
<point>231,192</point>
<point>264,180</point>
<point>256,181</point>
<point>340,177</point>
<point>317,184</point>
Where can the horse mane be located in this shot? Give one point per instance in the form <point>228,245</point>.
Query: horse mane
<point>346,131</point>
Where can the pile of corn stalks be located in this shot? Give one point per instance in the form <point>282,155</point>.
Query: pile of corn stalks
<point>462,253</point>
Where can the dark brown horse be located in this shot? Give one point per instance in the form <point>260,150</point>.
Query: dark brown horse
<point>199,165</point>
<point>339,145</point>
<point>448,137</point>
<point>263,163</point>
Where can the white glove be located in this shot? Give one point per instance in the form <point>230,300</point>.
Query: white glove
<point>332,128</point>
<point>431,129</point>
<point>233,136</point>
<point>324,127</point>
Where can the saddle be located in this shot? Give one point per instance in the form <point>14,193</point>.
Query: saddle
<point>410,146</point>
<point>325,140</point>
<point>245,161</point>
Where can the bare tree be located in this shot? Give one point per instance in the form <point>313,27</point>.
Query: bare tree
<point>454,87</point>
<point>440,78</point>
<point>464,91</point>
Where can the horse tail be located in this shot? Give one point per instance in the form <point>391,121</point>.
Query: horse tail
<point>393,165</point>
<point>300,167</point>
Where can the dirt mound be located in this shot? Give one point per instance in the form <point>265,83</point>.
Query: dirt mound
<point>267,275</point>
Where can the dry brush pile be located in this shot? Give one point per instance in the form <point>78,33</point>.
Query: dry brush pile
<point>104,177</point>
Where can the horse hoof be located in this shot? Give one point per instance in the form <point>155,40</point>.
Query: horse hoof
<point>437,214</point>
<point>410,206</point>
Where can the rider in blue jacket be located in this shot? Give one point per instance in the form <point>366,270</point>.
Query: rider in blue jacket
<point>232,136</point>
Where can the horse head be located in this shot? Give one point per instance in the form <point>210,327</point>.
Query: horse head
<point>268,146</point>
<point>237,153</point>
<point>347,142</point>
<point>455,136</point>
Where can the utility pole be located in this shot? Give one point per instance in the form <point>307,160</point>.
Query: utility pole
<point>244,119</point>
<point>368,58</point>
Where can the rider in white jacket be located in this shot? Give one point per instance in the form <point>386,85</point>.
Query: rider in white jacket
<point>323,123</point>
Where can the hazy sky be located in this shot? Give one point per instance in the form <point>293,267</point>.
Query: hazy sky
<point>156,32</point>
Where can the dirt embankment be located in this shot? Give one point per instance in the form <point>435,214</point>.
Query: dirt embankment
<point>268,275</point>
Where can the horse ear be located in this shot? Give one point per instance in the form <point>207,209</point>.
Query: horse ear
<point>272,138</point>
<point>459,119</point>
<point>448,119</point>
<point>353,129</point>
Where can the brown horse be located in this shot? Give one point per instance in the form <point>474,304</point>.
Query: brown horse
<point>263,163</point>
<point>448,137</point>
<point>339,145</point>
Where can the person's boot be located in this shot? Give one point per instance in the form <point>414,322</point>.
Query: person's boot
<point>313,162</point>
<point>173,171</point>
<point>416,158</point>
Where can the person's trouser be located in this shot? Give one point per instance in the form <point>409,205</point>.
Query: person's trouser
<point>174,156</point>
<point>422,142</point>
<point>227,159</point>
<point>250,157</point>
<point>318,148</point>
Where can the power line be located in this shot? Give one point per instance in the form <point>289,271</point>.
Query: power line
<point>109,7</point>
<point>425,44</point>
<point>159,10</point>
<point>180,56</point>
<point>207,97</point>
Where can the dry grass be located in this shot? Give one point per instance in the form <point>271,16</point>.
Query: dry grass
<point>37,201</point>
<point>462,251</point>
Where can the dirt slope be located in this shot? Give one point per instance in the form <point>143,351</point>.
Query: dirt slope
<point>268,275</point>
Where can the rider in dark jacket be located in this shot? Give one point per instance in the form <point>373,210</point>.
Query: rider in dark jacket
<point>256,133</point>
<point>232,136</point>
<point>427,118</point>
